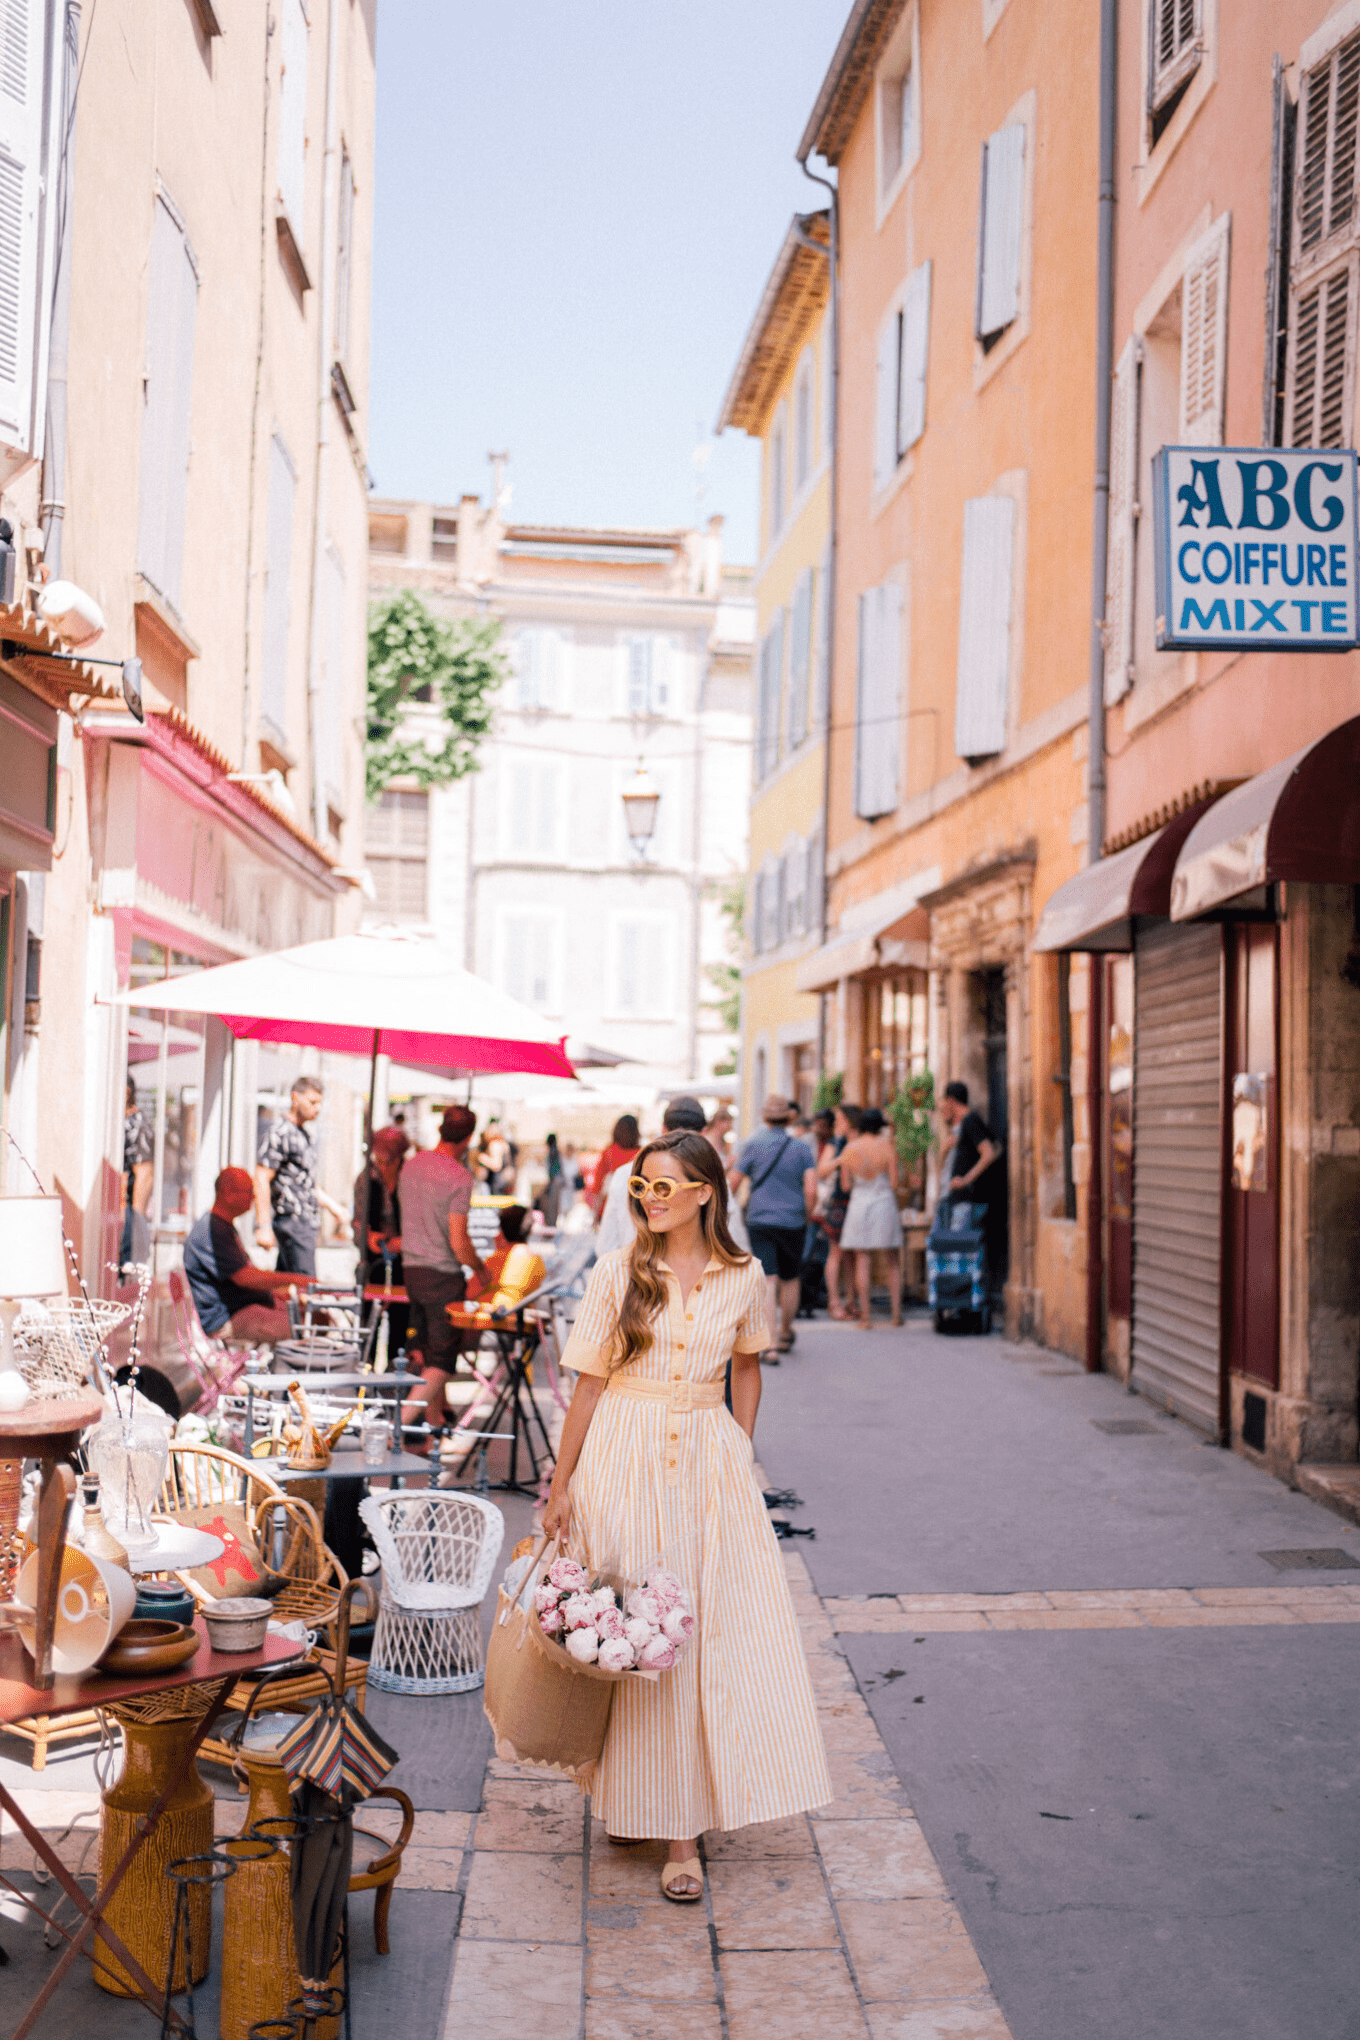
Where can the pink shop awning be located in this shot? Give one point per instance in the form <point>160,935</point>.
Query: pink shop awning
<point>367,995</point>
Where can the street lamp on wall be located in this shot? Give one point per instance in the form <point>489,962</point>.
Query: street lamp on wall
<point>641,798</point>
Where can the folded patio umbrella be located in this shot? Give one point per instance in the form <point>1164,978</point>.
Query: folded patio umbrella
<point>378,994</point>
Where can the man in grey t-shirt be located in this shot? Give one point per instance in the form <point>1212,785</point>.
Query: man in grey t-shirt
<point>782,1174</point>
<point>436,1196</point>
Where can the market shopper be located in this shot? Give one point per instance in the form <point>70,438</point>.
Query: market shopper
<point>139,1176</point>
<point>288,1201</point>
<point>436,1196</point>
<point>377,1226</point>
<point>623,1146</point>
<point>783,1197</point>
<point>652,1466</point>
<point>832,1200</point>
<point>970,1173</point>
<point>872,1224</point>
<point>232,1295</point>
<point>682,1115</point>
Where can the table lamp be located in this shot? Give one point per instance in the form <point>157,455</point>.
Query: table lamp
<point>32,1264</point>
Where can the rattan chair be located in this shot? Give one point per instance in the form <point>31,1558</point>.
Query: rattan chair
<point>438,1552</point>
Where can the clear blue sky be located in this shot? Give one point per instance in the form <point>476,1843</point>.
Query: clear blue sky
<point>577,206</point>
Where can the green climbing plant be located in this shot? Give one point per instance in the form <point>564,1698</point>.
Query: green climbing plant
<point>829,1092</point>
<point>454,665</point>
<point>911,1114</point>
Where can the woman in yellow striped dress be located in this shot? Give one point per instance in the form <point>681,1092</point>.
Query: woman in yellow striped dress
<point>652,1470</point>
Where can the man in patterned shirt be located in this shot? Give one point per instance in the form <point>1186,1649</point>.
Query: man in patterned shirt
<point>287,1200</point>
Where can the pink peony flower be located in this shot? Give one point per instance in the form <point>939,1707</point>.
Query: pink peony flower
<point>609,1623</point>
<point>545,1597</point>
<point>638,1631</point>
<point>658,1656</point>
<point>550,1621</point>
<point>578,1611</point>
<point>677,1625</point>
<point>567,1575</point>
<point>645,1605</point>
<point>616,1655</point>
<point>584,1645</point>
<point>665,1587</point>
<point>604,1597</point>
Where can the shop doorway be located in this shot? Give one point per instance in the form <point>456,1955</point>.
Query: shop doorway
<point>1251,1228</point>
<point>987,1074</point>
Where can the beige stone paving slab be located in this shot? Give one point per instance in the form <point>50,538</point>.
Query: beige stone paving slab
<point>966,1604</point>
<point>625,1875</point>
<point>1236,1597</point>
<point>790,1837</point>
<point>942,1622</point>
<point>500,1767</point>
<point>864,1787</point>
<point>632,2019</point>
<point>911,1948</point>
<point>518,1896</point>
<point>1257,1615</point>
<point>430,1869</point>
<point>944,2019</point>
<point>1347,1612</point>
<point>867,1618</point>
<point>1122,1597</point>
<point>49,1811</point>
<point>1065,1618</point>
<point>847,1725</point>
<point>878,1859</point>
<point>772,1902</point>
<point>791,1996</point>
<point>538,1817</point>
<point>503,1990</point>
<point>655,1956</point>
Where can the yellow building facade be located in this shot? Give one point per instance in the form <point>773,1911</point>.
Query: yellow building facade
<point>781,393</point>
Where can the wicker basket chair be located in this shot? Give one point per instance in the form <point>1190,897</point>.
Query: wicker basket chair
<point>438,1553</point>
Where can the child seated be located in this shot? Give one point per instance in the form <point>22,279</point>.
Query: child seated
<point>513,1271</point>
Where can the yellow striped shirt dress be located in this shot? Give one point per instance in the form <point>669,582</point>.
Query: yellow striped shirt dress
<point>729,1735</point>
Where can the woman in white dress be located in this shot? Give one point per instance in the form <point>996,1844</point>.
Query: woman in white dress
<point>872,1221</point>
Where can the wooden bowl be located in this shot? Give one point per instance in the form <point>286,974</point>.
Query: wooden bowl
<point>143,1647</point>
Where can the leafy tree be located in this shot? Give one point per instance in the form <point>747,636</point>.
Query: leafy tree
<point>455,665</point>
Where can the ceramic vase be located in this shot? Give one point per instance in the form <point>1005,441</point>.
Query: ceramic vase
<point>141,1911</point>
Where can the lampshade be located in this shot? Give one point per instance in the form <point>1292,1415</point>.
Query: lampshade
<point>640,800</point>
<point>32,1247</point>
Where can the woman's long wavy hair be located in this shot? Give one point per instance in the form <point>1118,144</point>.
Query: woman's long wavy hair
<point>646,1292</point>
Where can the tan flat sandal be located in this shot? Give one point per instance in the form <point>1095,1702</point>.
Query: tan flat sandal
<point>673,1873</point>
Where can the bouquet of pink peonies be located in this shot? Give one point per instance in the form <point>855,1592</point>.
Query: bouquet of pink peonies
<point>645,1631</point>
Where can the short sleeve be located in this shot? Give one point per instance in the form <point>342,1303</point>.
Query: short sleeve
<point>228,1252</point>
<point>460,1195</point>
<point>753,1334</point>
<point>591,1343</point>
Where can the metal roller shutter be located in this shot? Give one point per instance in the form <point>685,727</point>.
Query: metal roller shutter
<point>1177,1170</point>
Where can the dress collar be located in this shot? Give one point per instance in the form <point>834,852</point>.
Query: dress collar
<point>714,1266</point>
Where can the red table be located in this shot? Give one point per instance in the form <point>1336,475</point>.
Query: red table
<point>218,1671</point>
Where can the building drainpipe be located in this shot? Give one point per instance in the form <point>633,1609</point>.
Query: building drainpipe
<point>832,253</point>
<point>316,635</point>
<point>1095,763</point>
<point>52,511</point>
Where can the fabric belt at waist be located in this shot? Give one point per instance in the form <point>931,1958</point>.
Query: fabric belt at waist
<point>677,1395</point>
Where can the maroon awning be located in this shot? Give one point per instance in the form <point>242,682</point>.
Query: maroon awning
<point>1096,909</point>
<point>1301,819</point>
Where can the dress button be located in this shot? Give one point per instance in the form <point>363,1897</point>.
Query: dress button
<point>674,1436</point>
<point>679,1345</point>
<point>689,1317</point>
<point>675,1377</point>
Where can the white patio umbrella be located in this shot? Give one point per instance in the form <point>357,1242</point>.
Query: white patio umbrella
<point>379,994</point>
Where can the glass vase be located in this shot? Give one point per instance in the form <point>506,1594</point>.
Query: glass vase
<point>130,1455</point>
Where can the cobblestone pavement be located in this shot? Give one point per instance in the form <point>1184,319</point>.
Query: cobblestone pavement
<point>816,1928</point>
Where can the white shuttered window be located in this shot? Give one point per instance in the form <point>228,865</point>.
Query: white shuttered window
<point>396,850</point>
<point>278,594</point>
<point>822,689</point>
<point>538,662</point>
<point>163,477</point>
<point>982,690</point>
<point>332,733</point>
<point>878,709</point>
<point>1001,232</point>
<point>887,371</point>
<point>534,807</point>
<point>530,946</point>
<point>1123,523</point>
<point>23,35</point>
<point>1204,337</point>
<point>644,947</point>
<point>649,676</point>
<point>800,657</point>
<point>911,390</point>
<point>292,130</point>
<point>1175,53</point>
<point>1323,258</point>
<point>769,687</point>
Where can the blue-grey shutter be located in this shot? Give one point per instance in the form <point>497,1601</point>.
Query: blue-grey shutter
<point>278,594</point>
<point>911,420</point>
<point>800,657</point>
<point>163,479</point>
<point>1003,218</point>
<point>23,306</point>
<point>292,119</point>
<point>981,699</point>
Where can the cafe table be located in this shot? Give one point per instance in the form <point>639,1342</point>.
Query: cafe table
<point>215,1672</point>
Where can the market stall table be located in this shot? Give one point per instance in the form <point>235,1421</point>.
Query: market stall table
<point>215,1671</point>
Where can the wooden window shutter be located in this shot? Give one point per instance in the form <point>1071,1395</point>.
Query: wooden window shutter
<point>528,659</point>
<point>877,715</point>
<point>1283,126</point>
<point>800,657</point>
<point>639,675</point>
<point>1175,30</point>
<point>1123,524</point>
<point>1325,173</point>
<point>1320,395</point>
<point>911,408</point>
<point>823,688</point>
<point>1204,338</point>
<point>659,694</point>
<point>163,477</point>
<point>292,119</point>
<point>885,398</point>
<point>332,733</point>
<point>1002,233</point>
<point>23,307</point>
<point>981,697</point>
<point>278,594</point>
<point>757,911</point>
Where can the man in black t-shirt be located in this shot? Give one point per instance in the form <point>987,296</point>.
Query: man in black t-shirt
<point>233,1296</point>
<point>973,1151</point>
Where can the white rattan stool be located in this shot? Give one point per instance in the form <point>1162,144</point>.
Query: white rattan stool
<point>438,1552</point>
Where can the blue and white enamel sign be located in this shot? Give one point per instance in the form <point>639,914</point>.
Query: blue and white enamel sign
<point>1255,548</point>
